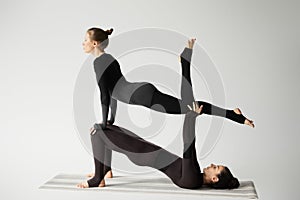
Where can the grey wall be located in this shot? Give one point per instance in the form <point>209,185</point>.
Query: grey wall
<point>253,44</point>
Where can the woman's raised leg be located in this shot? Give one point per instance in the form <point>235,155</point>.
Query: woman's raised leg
<point>168,104</point>
<point>234,115</point>
<point>187,92</point>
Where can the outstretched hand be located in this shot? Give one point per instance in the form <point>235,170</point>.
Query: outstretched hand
<point>196,108</point>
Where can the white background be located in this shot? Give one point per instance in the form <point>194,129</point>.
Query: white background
<point>254,44</point>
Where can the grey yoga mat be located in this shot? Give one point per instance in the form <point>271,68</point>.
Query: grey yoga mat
<point>146,184</point>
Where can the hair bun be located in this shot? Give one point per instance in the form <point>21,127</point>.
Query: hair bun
<point>234,183</point>
<point>109,32</point>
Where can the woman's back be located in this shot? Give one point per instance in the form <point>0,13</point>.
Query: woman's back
<point>110,77</point>
<point>107,69</point>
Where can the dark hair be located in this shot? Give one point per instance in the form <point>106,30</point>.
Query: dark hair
<point>226,180</point>
<point>99,35</point>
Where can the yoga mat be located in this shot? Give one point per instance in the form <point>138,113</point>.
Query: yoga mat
<point>146,184</point>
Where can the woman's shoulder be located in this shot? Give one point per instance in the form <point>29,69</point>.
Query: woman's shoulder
<point>105,58</point>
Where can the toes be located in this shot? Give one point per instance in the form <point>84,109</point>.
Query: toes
<point>249,123</point>
<point>83,185</point>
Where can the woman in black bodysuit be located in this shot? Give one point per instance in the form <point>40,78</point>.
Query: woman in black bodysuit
<point>114,86</point>
<point>184,172</point>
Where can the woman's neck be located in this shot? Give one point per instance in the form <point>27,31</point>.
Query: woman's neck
<point>97,52</point>
<point>205,180</point>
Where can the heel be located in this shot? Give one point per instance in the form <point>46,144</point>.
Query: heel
<point>94,182</point>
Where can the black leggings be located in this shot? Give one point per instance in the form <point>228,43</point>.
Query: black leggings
<point>184,172</point>
<point>168,104</point>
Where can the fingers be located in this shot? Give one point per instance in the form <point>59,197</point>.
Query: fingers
<point>196,107</point>
<point>200,108</point>
<point>92,131</point>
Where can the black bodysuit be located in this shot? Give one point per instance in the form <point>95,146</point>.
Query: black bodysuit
<point>114,86</point>
<point>184,171</point>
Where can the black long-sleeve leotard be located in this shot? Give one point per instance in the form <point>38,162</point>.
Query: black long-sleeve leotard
<point>114,86</point>
<point>184,171</point>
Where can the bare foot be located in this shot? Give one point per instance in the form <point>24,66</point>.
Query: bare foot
<point>247,121</point>
<point>107,175</point>
<point>191,43</point>
<point>83,185</point>
<point>86,185</point>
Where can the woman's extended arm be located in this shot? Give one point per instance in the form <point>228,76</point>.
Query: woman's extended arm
<point>188,131</point>
<point>105,101</point>
<point>113,110</point>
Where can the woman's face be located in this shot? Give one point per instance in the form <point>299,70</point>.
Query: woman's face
<point>88,44</point>
<point>212,172</point>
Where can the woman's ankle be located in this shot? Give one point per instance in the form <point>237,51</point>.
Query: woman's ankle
<point>108,174</point>
<point>94,182</point>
